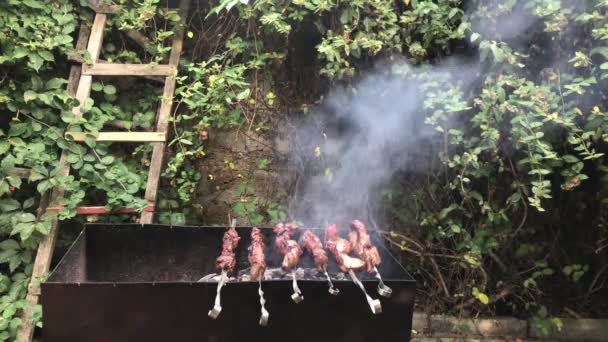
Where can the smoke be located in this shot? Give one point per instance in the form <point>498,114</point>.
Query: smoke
<point>512,19</point>
<point>352,144</point>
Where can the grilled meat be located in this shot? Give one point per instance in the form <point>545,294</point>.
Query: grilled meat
<point>362,245</point>
<point>256,255</point>
<point>340,248</point>
<point>289,248</point>
<point>292,257</point>
<point>227,260</point>
<point>314,246</point>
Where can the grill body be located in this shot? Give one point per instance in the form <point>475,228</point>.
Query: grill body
<point>140,283</point>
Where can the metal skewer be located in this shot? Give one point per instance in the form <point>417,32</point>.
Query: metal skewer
<point>383,290</point>
<point>332,290</point>
<point>374,304</point>
<point>264,316</point>
<point>217,308</point>
<point>297,294</point>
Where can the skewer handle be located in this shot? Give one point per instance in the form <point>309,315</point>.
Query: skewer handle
<point>332,290</point>
<point>217,307</point>
<point>374,304</point>
<point>297,294</point>
<point>264,316</point>
<point>383,290</point>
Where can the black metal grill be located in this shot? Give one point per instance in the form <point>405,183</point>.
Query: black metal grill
<point>141,283</point>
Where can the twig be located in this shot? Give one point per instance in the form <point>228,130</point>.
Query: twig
<point>441,280</point>
<point>501,264</point>
<point>573,313</point>
<point>596,278</point>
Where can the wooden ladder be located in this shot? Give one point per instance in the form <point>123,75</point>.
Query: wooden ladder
<point>79,85</point>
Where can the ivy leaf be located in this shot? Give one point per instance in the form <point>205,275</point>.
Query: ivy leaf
<point>26,231</point>
<point>20,52</point>
<point>14,181</point>
<point>107,160</point>
<point>34,4</point>
<point>14,262</point>
<point>55,83</point>
<point>9,244</point>
<point>47,56</point>
<point>73,158</point>
<point>97,86</point>
<point>63,39</point>
<point>29,96</point>
<point>38,174</point>
<point>4,146</point>
<point>9,205</point>
<point>90,141</point>
<point>446,211</point>
<point>35,61</point>
<point>28,203</point>
<point>109,89</point>
<point>87,105</point>
<point>6,255</point>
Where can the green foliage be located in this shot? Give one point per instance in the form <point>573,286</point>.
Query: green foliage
<point>246,206</point>
<point>35,36</point>
<point>512,144</point>
<point>512,149</point>
<point>432,26</point>
<point>35,39</point>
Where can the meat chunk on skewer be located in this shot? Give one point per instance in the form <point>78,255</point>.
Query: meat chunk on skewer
<point>224,264</point>
<point>256,255</point>
<point>289,248</point>
<point>362,245</point>
<point>340,248</point>
<point>314,246</point>
<point>292,257</point>
<point>227,260</point>
<point>291,252</point>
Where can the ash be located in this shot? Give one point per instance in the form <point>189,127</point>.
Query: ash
<point>277,274</point>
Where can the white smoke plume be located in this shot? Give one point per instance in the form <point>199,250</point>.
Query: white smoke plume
<point>358,138</point>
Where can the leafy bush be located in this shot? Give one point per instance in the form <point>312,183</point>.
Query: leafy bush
<point>518,154</point>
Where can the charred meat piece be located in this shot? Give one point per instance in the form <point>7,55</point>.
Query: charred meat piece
<point>340,248</point>
<point>227,261</point>
<point>292,257</point>
<point>362,245</point>
<point>314,246</point>
<point>287,247</point>
<point>256,255</point>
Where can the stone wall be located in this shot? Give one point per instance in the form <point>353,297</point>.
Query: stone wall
<point>441,328</point>
<point>231,160</point>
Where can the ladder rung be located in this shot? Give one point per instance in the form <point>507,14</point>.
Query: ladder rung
<point>98,210</point>
<point>119,136</point>
<point>99,7</point>
<point>108,9</point>
<point>20,172</point>
<point>117,69</point>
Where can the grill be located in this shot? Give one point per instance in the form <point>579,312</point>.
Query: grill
<point>150,283</point>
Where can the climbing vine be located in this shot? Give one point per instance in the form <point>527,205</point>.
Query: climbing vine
<point>518,150</point>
